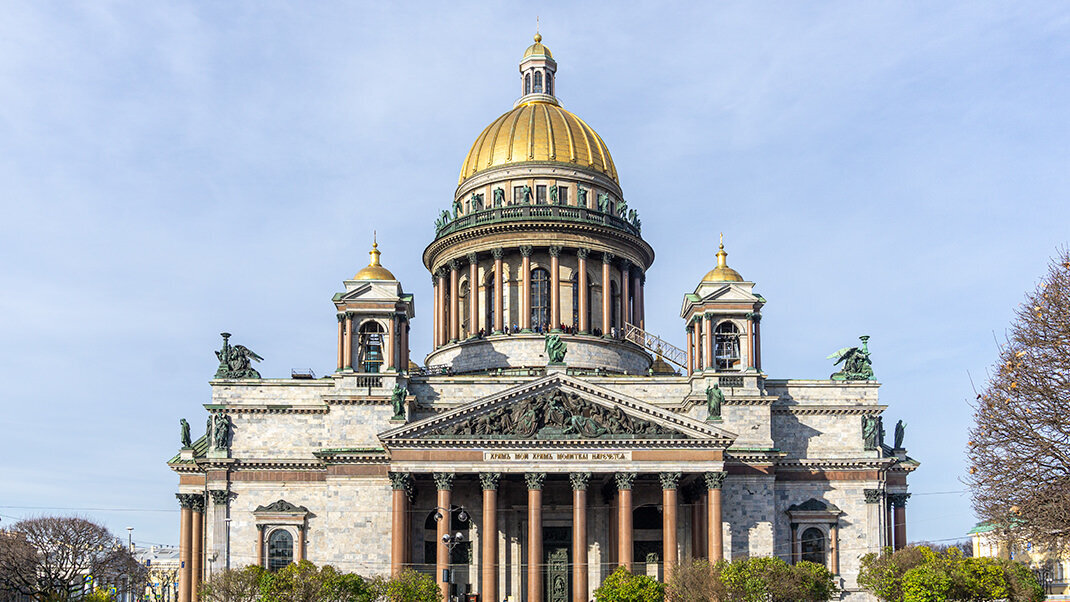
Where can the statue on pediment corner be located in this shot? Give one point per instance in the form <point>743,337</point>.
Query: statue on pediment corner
<point>236,361</point>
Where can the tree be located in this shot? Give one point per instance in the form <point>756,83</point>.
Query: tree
<point>919,574</point>
<point>698,581</point>
<point>49,558</point>
<point>411,586</point>
<point>1019,448</point>
<point>234,585</point>
<point>623,586</point>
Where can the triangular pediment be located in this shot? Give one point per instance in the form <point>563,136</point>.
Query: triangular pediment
<point>557,408</point>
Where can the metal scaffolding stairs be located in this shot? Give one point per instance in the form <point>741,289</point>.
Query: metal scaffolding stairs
<point>664,349</point>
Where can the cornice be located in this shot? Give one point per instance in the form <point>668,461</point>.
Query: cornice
<point>267,409</point>
<point>357,400</point>
<point>842,410</point>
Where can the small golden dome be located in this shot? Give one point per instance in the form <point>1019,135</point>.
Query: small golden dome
<point>722,273</point>
<point>660,366</point>
<point>538,132</point>
<point>537,49</point>
<point>374,271</point>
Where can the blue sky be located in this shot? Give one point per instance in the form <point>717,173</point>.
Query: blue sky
<point>172,170</point>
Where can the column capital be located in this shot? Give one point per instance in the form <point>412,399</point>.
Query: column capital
<point>689,328</point>
<point>579,480</point>
<point>669,480</point>
<point>442,272</point>
<point>625,264</point>
<point>472,258</point>
<point>535,479</point>
<point>555,250</point>
<point>497,252</point>
<point>400,480</point>
<point>583,252</point>
<point>489,480</point>
<point>714,480</point>
<point>219,496</point>
<point>526,250</point>
<point>190,500</point>
<point>642,277</point>
<point>873,496</point>
<point>624,480</point>
<point>443,480</point>
<point>455,264</point>
<point>898,500</point>
<point>341,317</point>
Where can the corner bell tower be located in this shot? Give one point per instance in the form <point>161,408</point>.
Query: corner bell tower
<point>722,320</point>
<point>373,321</point>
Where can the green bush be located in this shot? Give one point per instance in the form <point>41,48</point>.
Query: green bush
<point>411,586</point>
<point>623,586</point>
<point>699,581</point>
<point>918,574</point>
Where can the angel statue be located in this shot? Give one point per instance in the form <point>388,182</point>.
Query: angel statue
<point>856,362</point>
<point>870,432</point>
<point>499,197</point>
<point>556,348</point>
<point>234,362</point>
<point>622,209</point>
<point>603,202</point>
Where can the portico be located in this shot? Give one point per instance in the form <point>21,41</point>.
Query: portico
<point>522,464</point>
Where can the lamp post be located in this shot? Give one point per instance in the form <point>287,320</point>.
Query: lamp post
<point>451,541</point>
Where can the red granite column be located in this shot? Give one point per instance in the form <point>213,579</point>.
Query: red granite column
<point>302,542</point>
<point>525,291</point>
<point>404,345</point>
<point>758,341</point>
<point>455,302</point>
<point>499,303</point>
<point>625,293</point>
<point>399,482</point>
<point>444,483</point>
<point>640,299</point>
<point>625,537</point>
<point>690,350</point>
<point>185,545</point>
<point>436,309</point>
<point>899,505</point>
<point>391,345</point>
<point>473,295</point>
<point>834,548</point>
<point>196,546</point>
<point>711,363</point>
<point>579,535</point>
<point>607,296</point>
<point>349,343</point>
<point>535,553</point>
<point>260,545</point>
<point>714,481</point>
<point>341,341</point>
<point>669,481</point>
<point>555,288</point>
<point>489,536</point>
<point>584,325</point>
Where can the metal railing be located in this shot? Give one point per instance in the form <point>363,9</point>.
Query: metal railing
<point>519,213</point>
<point>668,351</point>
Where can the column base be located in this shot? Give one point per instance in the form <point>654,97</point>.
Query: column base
<point>525,331</point>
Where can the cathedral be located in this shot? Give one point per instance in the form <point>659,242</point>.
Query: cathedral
<point>547,438</point>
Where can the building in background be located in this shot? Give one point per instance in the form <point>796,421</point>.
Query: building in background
<point>549,437</point>
<point>1052,568</point>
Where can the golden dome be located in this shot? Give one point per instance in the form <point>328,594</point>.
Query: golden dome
<point>538,132</point>
<point>537,49</point>
<point>722,273</point>
<point>374,271</point>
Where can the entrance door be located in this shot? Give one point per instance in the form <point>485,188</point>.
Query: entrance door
<point>557,578</point>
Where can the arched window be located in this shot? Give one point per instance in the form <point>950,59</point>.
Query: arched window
<point>371,346</point>
<point>812,545</point>
<point>540,300</point>
<point>549,83</point>
<point>614,305</point>
<point>527,83</point>
<point>726,346</point>
<point>489,299</point>
<point>576,301</point>
<point>280,550</point>
<point>538,82</point>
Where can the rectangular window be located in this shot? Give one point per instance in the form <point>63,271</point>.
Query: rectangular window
<point>540,195</point>
<point>562,194</point>
<point>518,195</point>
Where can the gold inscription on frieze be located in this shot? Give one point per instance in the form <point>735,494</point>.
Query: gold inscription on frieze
<point>551,456</point>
